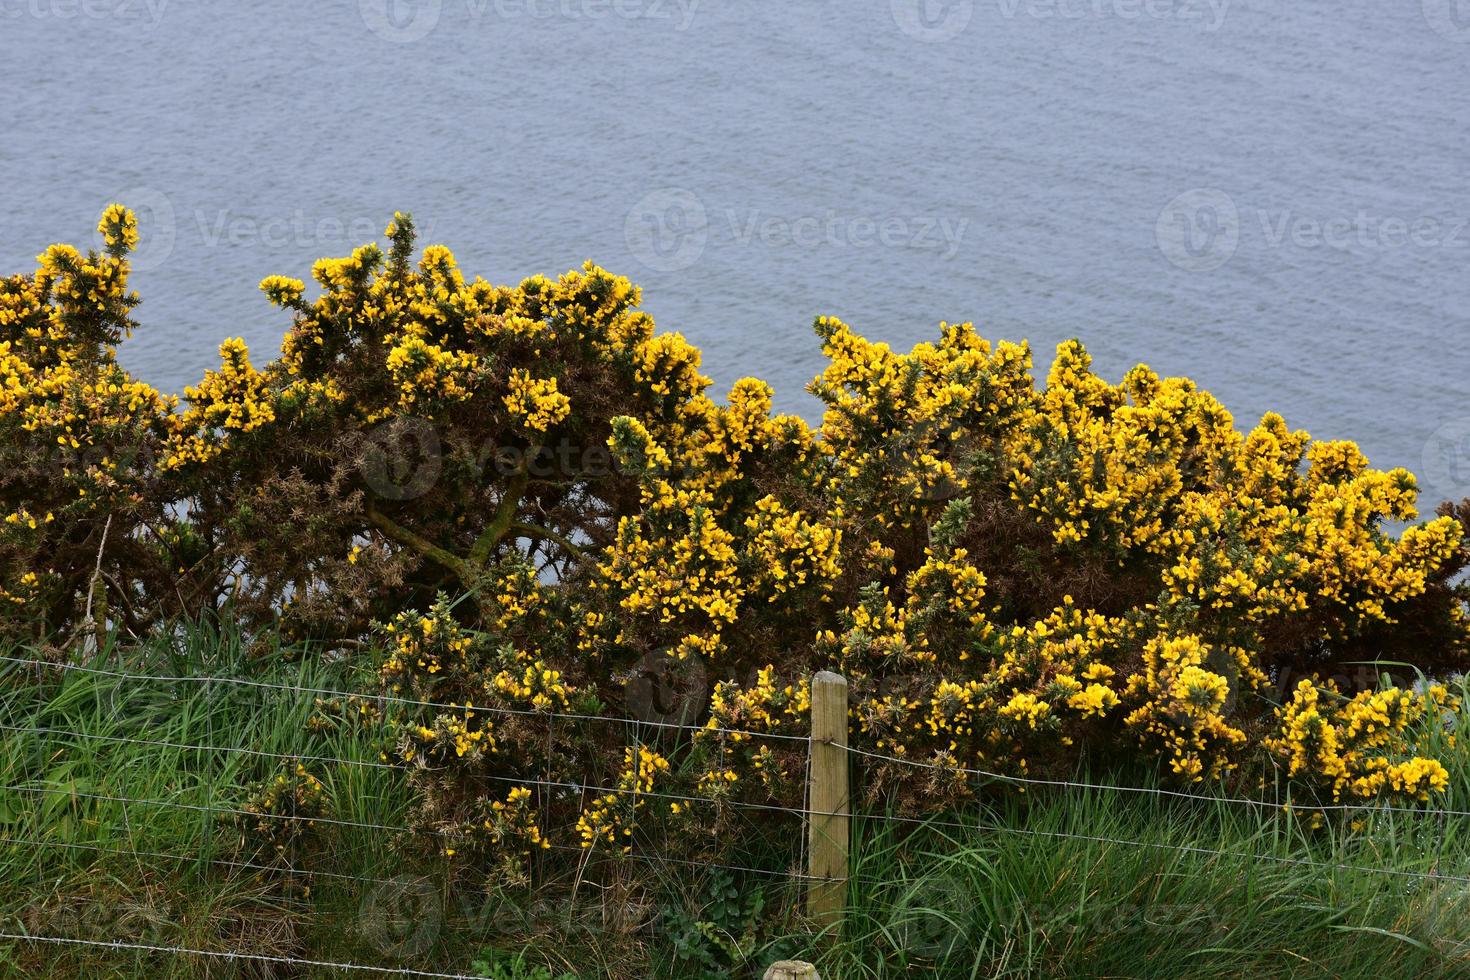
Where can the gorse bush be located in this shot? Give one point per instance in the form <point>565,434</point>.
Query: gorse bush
<point>84,515</point>
<point>530,493</point>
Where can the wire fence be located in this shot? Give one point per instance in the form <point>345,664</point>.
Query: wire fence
<point>23,796</point>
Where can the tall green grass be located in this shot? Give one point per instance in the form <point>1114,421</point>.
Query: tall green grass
<point>1100,884</point>
<point>1054,882</point>
<point>75,744</point>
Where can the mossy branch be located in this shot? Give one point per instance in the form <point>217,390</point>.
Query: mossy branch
<point>505,517</point>
<point>420,544</point>
<point>549,534</point>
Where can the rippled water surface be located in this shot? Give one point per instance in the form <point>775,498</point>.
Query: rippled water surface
<point>1272,197</point>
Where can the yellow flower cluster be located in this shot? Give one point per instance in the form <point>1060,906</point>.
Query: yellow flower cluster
<point>707,547</point>
<point>294,794</point>
<point>511,823</point>
<point>1249,527</point>
<point>1185,704</point>
<point>531,682</point>
<point>612,817</point>
<point>769,704</point>
<point>234,399</point>
<point>425,645</point>
<point>424,372</point>
<point>78,435</point>
<point>893,420</point>
<point>535,403</point>
<point>1360,746</point>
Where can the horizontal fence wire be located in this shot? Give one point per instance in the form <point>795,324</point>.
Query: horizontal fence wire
<point>743,733</point>
<point>1365,807</point>
<point>922,822</point>
<point>395,699</point>
<point>582,788</point>
<point>226,749</point>
<point>365,879</point>
<point>193,859</point>
<point>397,971</point>
<point>1215,852</point>
<point>228,811</point>
<point>791,875</point>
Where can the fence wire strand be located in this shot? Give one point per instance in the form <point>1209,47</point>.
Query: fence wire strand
<point>395,699</point>
<point>195,859</point>
<point>397,971</point>
<point>1365,807</point>
<point>980,825</point>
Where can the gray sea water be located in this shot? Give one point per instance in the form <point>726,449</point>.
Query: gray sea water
<point>1272,196</point>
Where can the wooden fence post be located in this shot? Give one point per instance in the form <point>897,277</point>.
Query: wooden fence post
<point>792,970</point>
<point>828,800</point>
